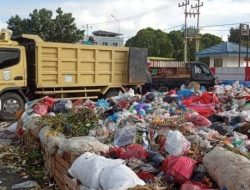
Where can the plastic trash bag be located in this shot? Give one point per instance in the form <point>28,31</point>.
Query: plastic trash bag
<point>88,167</point>
<point>119,177</point>
<point>28,118</point>
<point>101,133</point>
<point>12,128</point>
<point>134,151</point>
<point>155,158</point>
<point>176,144</point>
<point>40,109</point>
<point>49,101</point>
<point>62,106</point>
<point>188,185</point>
<point>198,120</point>
<point>102,103</point>
<point>185,93</point>
<point>25,185</point>
<point>207,98</point>
<point>51,141</point>
<point>178,169</point>
<point>124,136</point>
<point>80,145</point>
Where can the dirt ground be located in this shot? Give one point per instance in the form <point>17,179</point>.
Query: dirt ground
<point>16,165</point>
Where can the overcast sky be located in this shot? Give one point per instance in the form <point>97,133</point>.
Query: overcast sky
<point>134,15</point>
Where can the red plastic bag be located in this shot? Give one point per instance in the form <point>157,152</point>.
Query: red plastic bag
<point>116,152</point>
<point>41,109</point>
<point>145,176</point>
<point>200,120</point>
<point>190,100</point>
<point>135,151</point>
<point>207,98</point>
<point>49,101</point>
<point>188,185</point>
<point>203,109</point>
<point>180,168</point>
<point>123,104</point>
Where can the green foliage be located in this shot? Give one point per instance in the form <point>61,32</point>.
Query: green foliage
<point>157,42</point>
<point>234,36</point>
<point>208,40</point>
<point>177,40</point>
<point>41,22</point>
<point>161,44</point>
<point>73,123</point>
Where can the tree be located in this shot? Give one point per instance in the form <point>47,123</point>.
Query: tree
<point>208,40</point>
<point>177,41</point>
<point>157,42</point>
<point>234,36</point>
<point>41,22</point>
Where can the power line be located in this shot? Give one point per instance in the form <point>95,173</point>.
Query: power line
<point>158,8</point>
<point>181,25</point>
<point>230,24</point>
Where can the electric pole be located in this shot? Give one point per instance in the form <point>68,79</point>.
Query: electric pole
<point>185,4</point>
<point>87,26</point>
<point>197,39</point>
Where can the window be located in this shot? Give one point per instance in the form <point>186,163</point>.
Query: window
<point>9,57</point>
<point>197,70</point>
<point>115,44</point>
<point>105,43</point>
<point>218,62</point>
<point>205,69</point>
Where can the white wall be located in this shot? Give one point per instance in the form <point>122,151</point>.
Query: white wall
<point>233,62</point>
<point>228,61</point>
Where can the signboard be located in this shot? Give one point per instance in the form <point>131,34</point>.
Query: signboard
<point>244,29</point>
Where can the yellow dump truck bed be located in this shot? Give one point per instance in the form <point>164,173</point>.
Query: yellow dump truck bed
<point>61,65</point>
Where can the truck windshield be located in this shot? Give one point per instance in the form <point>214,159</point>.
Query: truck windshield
<point>205,69</point>
<point>9,57</point>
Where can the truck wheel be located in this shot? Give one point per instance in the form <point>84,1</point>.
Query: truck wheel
<point>10,104</point>
<point>163,89</point>
<point>112,92</point>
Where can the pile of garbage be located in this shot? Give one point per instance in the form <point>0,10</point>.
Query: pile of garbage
<point>188,139</point>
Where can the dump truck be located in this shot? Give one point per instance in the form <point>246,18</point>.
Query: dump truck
<point>169,77</point>
<point>31,68</point>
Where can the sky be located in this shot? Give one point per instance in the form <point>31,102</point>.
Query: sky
<point>130,16</point>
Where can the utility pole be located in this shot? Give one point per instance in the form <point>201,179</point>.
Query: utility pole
<point>119,27</point>
<point>197,39</point>
<point>87,28</point>
<point>185,4</point>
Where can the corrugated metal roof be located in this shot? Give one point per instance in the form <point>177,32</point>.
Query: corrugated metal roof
<point>223,49</point>
<point>105,33</point>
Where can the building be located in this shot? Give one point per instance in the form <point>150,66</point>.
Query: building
<point>225,54</point>
<point>105,38</point>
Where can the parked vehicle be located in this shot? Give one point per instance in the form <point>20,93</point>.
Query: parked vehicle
<point>164,78</point>
<point>31,68</point>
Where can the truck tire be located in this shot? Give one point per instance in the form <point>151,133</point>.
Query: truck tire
<point>111,93</point>
<point>10,104</point>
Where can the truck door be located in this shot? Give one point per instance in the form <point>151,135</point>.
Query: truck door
<point>12,68</point>
<point>202,75</point>
<point>12,80</point>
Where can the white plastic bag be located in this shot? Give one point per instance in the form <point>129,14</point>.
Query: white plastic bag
<point>176,143</point>
<point>88,167</point>
<point>27,118</point>
<point>50,141</point>
<point>80,145</point>
<point>119,177</point>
